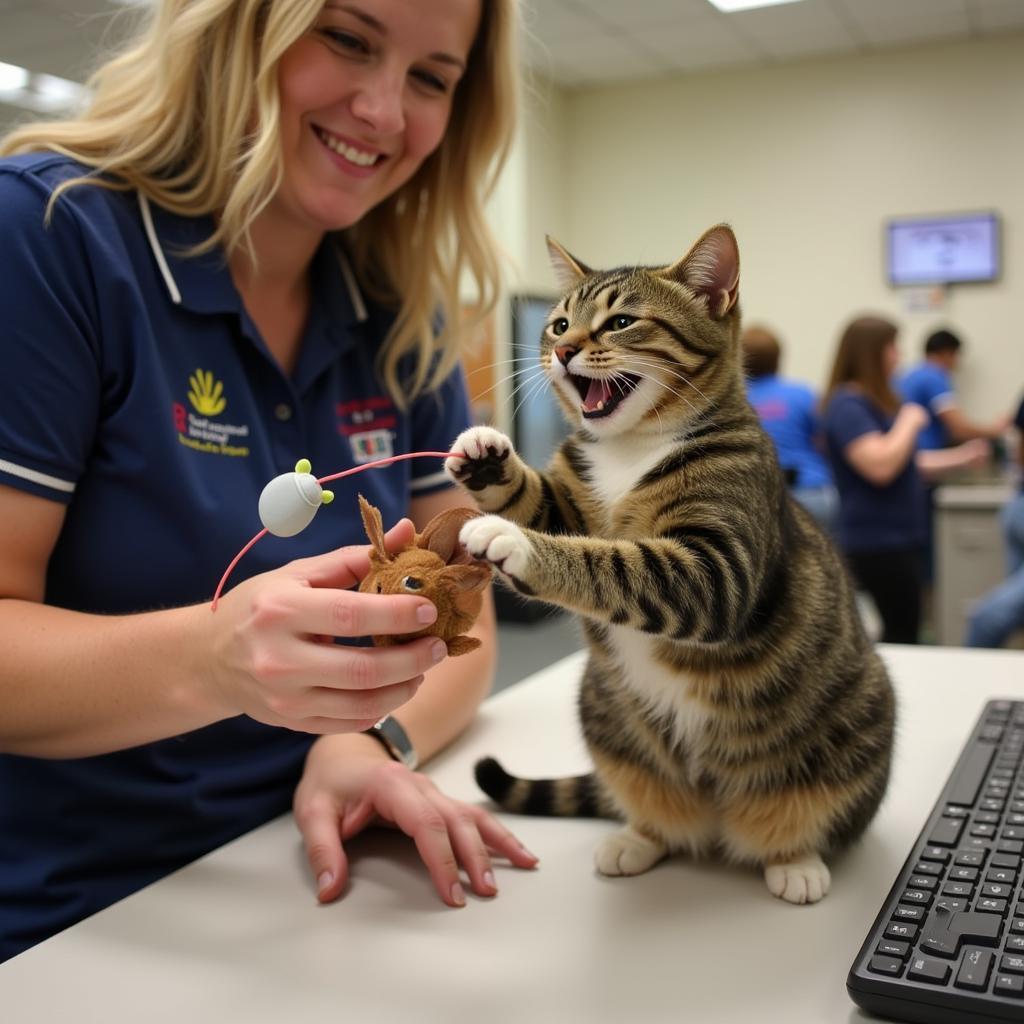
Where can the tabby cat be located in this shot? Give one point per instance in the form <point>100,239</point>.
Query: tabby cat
<point>732,701</point>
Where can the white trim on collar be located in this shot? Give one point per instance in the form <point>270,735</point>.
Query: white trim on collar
<point>158,253</point>
<point>352,284</point>
<point>354,293</point>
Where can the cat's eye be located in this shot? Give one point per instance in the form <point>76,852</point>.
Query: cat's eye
<point>560,326</point>
<point>412,583</point>
<point>620,322</point>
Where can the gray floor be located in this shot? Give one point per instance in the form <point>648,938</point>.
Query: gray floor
<point>525,647</point>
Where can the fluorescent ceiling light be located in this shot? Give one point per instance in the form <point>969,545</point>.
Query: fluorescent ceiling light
<point>729,6</point>
<point>42,94</point>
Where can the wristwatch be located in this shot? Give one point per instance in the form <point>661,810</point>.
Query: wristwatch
<point>395,741</point>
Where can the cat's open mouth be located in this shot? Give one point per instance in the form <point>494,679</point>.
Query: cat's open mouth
<point>602,397</point>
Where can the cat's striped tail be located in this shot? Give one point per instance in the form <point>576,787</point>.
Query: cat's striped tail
<point>578,796</point>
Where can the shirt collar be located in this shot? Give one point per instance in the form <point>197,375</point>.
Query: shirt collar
<point>203,283</point>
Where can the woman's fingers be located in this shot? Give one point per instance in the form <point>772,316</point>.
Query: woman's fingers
<point>318,824</point>
<point>348,613</point>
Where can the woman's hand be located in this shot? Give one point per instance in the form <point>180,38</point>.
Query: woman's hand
<point>350,782</point>
<point>271,655</point>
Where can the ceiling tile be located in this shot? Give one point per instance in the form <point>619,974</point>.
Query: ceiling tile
<point>696,44</point>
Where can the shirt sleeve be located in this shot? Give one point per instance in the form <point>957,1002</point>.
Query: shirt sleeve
<point>438,417</point>
<point>50,378</point>
<point>937,392</point>
<point>848,419</point>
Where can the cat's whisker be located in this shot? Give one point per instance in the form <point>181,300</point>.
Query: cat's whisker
<point>538,386</point>
<point>511,376</point>
<point>671,372</point>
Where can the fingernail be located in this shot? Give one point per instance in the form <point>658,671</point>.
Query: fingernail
<point>532,856</point>
<point>458,896</point>
<point>489,880</point>
<point>324,881</point>
<point>426,613</point>
<point>439,650</point>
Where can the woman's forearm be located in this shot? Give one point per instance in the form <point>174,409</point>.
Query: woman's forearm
<point>74,685</point>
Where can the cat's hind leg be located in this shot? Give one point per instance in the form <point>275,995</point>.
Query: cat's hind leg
<point>800,880</point>
<point>628,852</point>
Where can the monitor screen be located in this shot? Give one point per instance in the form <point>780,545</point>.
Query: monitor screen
<point>943,250</point>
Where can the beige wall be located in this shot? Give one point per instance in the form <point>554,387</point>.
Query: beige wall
<point>806,161</point>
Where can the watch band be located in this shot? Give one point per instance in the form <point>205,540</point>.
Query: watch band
<point>395,741</point>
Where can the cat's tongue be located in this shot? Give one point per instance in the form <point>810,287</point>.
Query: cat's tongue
<point>597,394</point>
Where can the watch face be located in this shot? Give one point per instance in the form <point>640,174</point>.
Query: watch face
<point>394,738</point>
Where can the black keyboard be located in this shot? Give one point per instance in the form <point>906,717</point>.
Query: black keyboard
<point>948,944</point>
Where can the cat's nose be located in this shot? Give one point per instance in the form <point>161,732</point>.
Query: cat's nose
<point>564,353</point>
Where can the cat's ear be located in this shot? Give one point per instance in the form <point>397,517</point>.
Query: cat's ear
<point>712,270</point>
<point>568,270</point>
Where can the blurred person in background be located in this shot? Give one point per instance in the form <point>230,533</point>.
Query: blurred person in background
<point>871,440</point>
<point>789,412</point>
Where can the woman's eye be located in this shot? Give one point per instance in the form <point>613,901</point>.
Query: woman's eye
<point>345,40</point>
<point>412,583</point>
<point>560,326</point>
<point>621,321</point>
<point>431,81</point>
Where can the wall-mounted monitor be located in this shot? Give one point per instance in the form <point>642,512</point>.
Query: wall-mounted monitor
<point>950,249</point>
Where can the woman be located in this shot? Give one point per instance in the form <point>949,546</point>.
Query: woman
<point>237,256</point>
<point>871,440</point>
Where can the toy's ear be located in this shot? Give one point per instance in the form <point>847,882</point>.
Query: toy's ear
<point>374,526</point>
<point>469,577</point>
<point>441,534</point>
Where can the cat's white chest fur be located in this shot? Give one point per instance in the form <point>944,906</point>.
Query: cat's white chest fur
<point>663,689</point>
<point>618,463</point>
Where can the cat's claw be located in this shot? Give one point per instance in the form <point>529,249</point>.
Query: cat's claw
<point>499,542</point>
<point>628,852</point>
<point>485,453</point>
<point>805,880</point>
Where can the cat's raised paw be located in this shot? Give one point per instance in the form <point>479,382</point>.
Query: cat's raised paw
<point>499,542</point>
<point>485,454</point>
<point>805,880</point>
<point>627,852</point>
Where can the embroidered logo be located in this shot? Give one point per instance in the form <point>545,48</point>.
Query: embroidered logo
<point>200,432</point>
<point>206,394</point>
<point>369,426</point>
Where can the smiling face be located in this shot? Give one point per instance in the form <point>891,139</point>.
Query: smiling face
<point>645,349</point>
<point>365,98</point>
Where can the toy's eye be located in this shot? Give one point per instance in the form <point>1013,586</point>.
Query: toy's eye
<point>412,583</point>
<point>379,588</point>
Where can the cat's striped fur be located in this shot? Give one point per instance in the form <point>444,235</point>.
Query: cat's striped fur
<point>731,701</point>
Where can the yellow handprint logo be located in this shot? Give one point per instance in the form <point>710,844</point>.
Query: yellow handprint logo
<point>206,394</point>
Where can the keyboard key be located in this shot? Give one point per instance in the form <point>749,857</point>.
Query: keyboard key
<point>934,972</point>
<point>935,853</point>
<point>971,775</point>
<point>990,906</point>
<point>901,930</point>
<point>1004,860</point>
<point>970,858</point>
<point>886,965</point>
<point>1012,963</point>
<point>950,904</point>
<point>892,947</point>
<point>1001,875</point>
<point>1014,944</point>
<point>944,933</point>
<point>912,913</point>
<point>957,889</point>
<point>921,897</point>
<point>947,832</point>
<point>922,882</point>
<point>975,969</point>
<point>923,867</point>
<point>1009,985</point>
<point>958,874</point>
<point>997,890</point>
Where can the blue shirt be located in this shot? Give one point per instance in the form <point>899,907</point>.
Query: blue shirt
<point>136,390</point>
<point>788,412</point>
<point>872,518</point>
<point>930,386</point>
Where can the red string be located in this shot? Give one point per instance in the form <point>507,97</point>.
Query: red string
<point>376,464</point>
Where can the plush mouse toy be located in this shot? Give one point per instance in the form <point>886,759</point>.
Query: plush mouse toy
<point>436,567</point>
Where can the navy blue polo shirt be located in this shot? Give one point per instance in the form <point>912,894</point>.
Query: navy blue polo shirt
<point>135,389</point>
<point>872,518</point>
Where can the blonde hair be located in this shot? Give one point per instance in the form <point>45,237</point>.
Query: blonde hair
<point>172,116</point>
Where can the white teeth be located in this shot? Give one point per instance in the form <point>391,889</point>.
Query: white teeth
<point>599,406</point>
<point>354,156</point>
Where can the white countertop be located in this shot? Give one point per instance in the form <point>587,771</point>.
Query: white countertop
<point>238,936</point>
